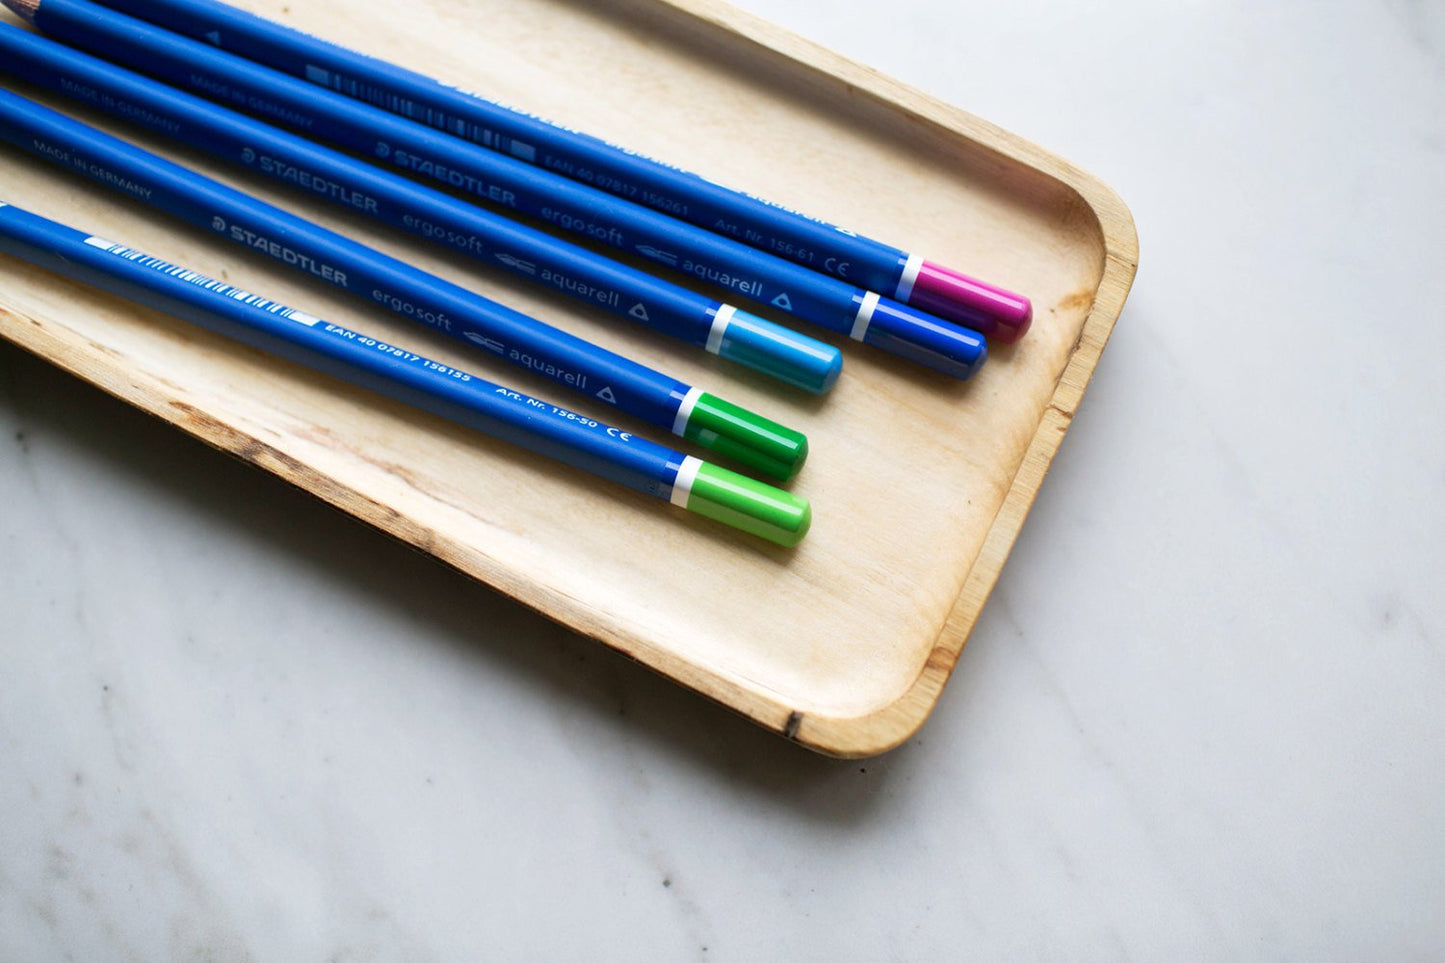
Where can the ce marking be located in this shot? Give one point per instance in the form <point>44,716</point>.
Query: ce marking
<point>618,433</point>
<point>834,266</point>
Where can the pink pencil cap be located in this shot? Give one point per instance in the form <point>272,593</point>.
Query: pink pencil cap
<point>993,312</point>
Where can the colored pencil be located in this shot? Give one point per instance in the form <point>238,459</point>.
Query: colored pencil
<point>530,423</point>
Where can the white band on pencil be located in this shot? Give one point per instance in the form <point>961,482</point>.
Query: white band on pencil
<point>865,316</point>
<point>686,475</point>
<point>684,410</point>
<point>720,323</point>
<point>911,267</point>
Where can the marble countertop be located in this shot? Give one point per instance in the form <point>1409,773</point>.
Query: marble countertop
<point>1200,718</point>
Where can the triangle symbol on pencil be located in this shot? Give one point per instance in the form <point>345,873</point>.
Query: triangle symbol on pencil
<point>606,395</point>
<point>781,301</point>
<point>214,37</point>
<point>639,312</point>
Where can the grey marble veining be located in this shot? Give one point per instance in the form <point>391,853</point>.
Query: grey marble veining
<point>1199,719</point>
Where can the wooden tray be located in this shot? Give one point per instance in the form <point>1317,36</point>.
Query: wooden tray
<point>919,485</point>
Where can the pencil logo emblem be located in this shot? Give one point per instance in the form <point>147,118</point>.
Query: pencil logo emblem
<point>214,37</point>
<point>517,264</point>
<point>248,155</point>
<point>606,395</point>
<point>218,224</point>
<point>485,342</point>
<point>782,301</point>
<point>383,150</point>
<point>665,257</point>
<point>639,312</point>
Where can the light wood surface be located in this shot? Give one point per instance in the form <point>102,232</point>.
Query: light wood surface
<point>919,485</point>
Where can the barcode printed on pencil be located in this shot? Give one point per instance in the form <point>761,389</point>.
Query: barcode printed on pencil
<point>411,110</point>
<point>199,280</point>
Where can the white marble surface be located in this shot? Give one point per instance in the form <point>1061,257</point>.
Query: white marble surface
<point>1201,718</point>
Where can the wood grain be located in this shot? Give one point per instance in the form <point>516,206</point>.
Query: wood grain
<point>919,485</point>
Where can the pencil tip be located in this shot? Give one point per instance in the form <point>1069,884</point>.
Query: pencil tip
<point>25,8</point>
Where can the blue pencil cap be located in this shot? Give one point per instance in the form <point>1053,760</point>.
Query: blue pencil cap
<point>933,342</point>
<point>775,350</point>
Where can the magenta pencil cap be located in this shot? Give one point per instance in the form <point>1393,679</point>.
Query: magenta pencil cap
<point>993,312</point>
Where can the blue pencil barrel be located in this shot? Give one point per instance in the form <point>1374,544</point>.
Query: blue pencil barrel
<point>529,422</point>
<point>526,252</point>
<point>504,181</point>
<point>421,151</point>
<point>818,245</point>
<point>329,257</point>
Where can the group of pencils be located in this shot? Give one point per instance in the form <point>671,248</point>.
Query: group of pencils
<point>300,110</point>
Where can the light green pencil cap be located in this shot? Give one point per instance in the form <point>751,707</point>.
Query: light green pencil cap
<point>745,503</point>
